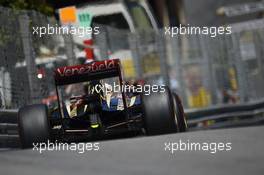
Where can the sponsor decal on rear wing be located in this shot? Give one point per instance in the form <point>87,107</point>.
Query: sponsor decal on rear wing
<point>86,72</point>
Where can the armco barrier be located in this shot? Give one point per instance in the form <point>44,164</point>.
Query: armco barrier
<point>208,118</point>
<point>251,113</point>
<point>8,129</point>
<point>8,116</point>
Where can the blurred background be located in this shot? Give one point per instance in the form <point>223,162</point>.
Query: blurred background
<point>204,71</point>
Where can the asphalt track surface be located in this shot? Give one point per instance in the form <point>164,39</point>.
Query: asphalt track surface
<point>146,155</point>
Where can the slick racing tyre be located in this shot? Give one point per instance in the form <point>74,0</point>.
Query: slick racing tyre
<point>33,124</point>
<point>158,113</point>
<point>181,120</point>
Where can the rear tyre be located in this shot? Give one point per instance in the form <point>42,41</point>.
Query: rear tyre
<point>181,120</point>
<point>159,115</point>
<point>34,126</point>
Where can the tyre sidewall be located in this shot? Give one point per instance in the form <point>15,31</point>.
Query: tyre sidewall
<point>159,115</point>
<point>33,124</point>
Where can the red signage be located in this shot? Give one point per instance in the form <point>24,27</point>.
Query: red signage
<point>71,72</point>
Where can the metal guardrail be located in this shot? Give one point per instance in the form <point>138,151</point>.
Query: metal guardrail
<point>8,118</point>
<point>8,115</point>
<point>8,129</point>
<point>226,120</point>
<point>197,119</point>
<point>199,113</point>
<point>226,116</point>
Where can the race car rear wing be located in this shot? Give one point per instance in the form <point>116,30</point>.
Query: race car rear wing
<point>86,72</point>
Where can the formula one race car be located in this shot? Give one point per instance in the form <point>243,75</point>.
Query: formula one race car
<point>93,101</point>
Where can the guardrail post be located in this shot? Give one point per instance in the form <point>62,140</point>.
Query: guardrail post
<point>175,49</point>
<point>101,43</point>
<point>29,54</point>
<point>208,71</point>
<point>161,48</point>
<point>240,68</point>
<point>258,40</point>
<point>69,46</point>
<point>133,44</point>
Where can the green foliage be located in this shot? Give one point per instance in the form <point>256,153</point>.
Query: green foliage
<point>38,5</point>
